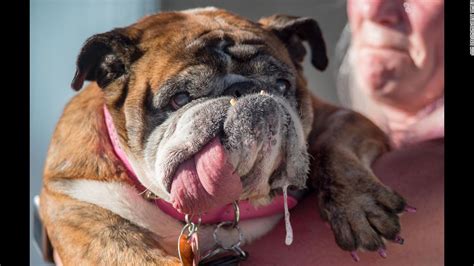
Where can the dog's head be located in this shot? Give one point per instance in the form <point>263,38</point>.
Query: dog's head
<point>209,107</point>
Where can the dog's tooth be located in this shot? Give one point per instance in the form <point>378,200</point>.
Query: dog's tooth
<point>263,92</point>
<point>233,101</point>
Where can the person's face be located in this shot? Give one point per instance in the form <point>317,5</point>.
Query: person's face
<point>399,50</point>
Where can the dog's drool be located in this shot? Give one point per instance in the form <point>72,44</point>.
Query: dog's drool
<point>289,229</point>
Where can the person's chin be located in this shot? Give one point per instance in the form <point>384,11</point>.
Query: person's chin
<point>377,84</point>
<point>384,90</point>
<point>380,69</point>
<point>383,59</point>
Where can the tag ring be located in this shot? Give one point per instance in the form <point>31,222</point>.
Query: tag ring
<point>236,227</point>
<point>188,219</point>
<point>235,204</point>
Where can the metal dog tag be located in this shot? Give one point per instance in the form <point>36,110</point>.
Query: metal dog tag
<point>188,243</point>
<point>185,251</point>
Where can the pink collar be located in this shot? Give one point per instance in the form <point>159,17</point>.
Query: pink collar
<point>224,213</point>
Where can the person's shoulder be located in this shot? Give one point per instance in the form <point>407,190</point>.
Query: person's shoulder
<point>420,151</point>
<point>420,161</point>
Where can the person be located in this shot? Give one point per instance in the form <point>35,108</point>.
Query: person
<point>393,67</point>
<point>390,62</point>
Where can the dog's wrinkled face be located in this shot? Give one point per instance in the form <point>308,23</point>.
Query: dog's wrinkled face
<point>169,81</point>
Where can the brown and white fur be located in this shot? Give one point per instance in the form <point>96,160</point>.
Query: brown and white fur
<point>89,205</point>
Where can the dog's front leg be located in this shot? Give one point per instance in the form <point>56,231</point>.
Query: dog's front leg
<point>85,234</point>
<point>360,209</point>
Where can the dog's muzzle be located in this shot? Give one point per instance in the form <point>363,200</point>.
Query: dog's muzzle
<point>234,147</point>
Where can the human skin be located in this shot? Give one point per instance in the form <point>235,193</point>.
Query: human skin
<point>417,172</point>
<point>399,49</point>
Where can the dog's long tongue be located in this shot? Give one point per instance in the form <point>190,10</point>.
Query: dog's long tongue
<point>205,181</point>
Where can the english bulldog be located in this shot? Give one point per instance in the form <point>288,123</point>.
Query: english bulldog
<point>197,118</point>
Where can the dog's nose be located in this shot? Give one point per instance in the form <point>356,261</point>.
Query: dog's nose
<point>242,88</point>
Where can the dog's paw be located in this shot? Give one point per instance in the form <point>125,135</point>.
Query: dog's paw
<point>362,212</point>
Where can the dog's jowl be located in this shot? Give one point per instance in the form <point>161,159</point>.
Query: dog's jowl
<point>201,119</point>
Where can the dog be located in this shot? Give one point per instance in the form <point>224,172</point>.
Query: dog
<point>190,114</point>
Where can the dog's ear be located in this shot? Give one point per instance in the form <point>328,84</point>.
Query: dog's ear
<point>293,31</point>
<point>105,57</point>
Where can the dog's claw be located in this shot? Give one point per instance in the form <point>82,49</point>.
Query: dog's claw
<point>409,208</point>
<point>398,239</point>
<point>355,257</point>
<point>382,253</point>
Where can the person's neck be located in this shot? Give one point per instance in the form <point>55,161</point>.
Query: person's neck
<point>426,123</point>
<point>400,119</point>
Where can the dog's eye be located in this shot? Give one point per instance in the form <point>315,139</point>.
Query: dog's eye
<point>283,85</point>
<point>180,99</point>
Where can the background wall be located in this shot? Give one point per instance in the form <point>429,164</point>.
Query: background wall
<point>58,29</point>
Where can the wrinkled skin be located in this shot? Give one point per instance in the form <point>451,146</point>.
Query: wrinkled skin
<point>399,47</point>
